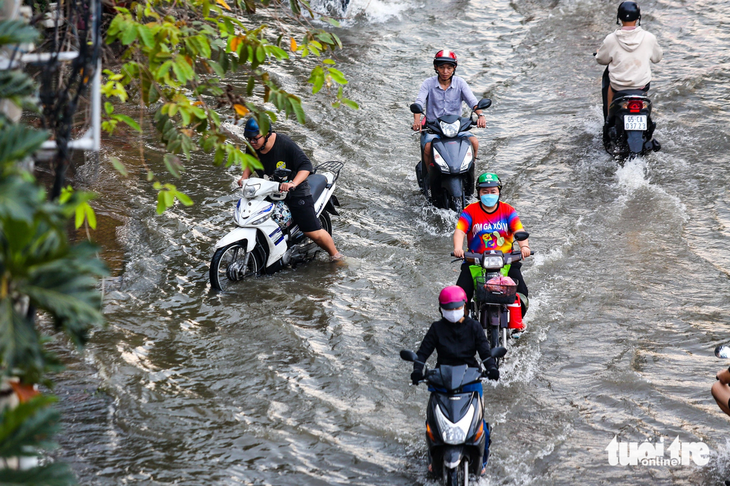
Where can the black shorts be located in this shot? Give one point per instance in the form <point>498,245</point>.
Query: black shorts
<point>302,212</point>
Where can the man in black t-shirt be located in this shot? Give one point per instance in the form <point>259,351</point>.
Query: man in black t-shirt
<point>279,151</point>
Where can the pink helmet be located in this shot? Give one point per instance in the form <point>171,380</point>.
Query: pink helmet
<point>452,297</point>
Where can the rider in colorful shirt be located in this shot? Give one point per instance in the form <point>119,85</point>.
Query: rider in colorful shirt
<point>489,225</point>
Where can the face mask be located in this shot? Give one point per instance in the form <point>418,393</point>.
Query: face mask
<point>453,315</point>
<point>489,200</point>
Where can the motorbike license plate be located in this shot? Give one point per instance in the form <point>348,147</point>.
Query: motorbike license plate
<point>635,122</point>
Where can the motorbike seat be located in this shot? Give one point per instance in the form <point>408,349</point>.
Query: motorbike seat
<point>317,184</point>
<point>628,92</point>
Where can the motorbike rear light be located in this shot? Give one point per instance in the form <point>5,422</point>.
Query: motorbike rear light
<point>635,106</point>
<point>430,433</point>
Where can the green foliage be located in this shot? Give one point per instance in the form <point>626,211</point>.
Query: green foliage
<point>166,196</point>
<point>176,55</point>
<point>26,430</point>
<point>39,271</point>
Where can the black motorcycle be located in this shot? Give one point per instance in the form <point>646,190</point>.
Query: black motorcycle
<point>455,433</point>
<point>450,179</point>
<point>492,302</point>
<point>628,129</point>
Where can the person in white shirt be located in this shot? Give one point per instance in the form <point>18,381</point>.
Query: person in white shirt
<point>628,53</point>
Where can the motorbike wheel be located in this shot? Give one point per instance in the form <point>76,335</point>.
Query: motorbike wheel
<point>326,222</point>
<point>458,476</point>
<point>457,204</point>
<point>233,263</point>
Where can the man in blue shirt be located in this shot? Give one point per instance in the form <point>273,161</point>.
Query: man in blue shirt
<point>442,95</point>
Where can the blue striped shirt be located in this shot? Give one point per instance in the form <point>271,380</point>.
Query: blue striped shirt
<point>444,102</point>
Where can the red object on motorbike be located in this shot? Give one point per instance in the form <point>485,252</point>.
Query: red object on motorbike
<point>515,315</point>
<point>635,106</point>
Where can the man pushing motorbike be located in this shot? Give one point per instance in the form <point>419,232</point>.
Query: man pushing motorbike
<point>277,151</point>
<point>489,224</point>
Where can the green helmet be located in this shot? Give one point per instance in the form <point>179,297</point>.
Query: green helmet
<point>489,179</point>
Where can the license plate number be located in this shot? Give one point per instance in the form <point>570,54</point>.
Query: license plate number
<point>635,122</point>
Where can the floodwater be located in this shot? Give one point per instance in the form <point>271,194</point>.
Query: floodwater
<point>294,379</point>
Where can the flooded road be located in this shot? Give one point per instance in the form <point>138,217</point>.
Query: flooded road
<point>295,379</point>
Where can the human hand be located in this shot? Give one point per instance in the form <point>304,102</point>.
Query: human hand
<point>525,250</point>
<point>493,374</point>
<point>481,122</point>
<point>286,187</point>
<point>416,126</point>
<point>458,252</point>
<point>240,182</point>
<point>724,376</point>
<point>416,376</point>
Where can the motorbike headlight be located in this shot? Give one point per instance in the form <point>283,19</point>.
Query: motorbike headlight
<point>494,261</point>
<point>450,130</point>
<point>261,216</point>
<point>467,159</point>
<point>454,433</point>
<point>440,161</point>
<point>250,190</point>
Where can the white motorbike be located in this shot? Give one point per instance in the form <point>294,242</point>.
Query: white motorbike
<point>267,239</point>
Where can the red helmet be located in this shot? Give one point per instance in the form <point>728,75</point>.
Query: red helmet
<point>452,297</point>
<point>445,56</point>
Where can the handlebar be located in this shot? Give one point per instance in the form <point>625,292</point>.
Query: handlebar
<point>471,257</point>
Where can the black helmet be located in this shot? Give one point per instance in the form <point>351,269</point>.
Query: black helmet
<point>628,12</point>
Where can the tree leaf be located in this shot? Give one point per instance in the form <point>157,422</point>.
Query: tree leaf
<point>250,86</point>
<point>169,198</point>
<point>161,203</point>
<point>293,45</point>
<point>184,198</point>
<point>79,216</point>
<point>130,33</point>
<point>147,36</point>
<point>223,4</point>
<point>240,109</point>
<point>129,121</point>
<point>217,68</point>
<point>337,76</point>
<point>90,215</point>
<point>119,166</point>
<point>351,104</point>
<point>294,5</point>
<point>296,105</point>
<point>173,164</point>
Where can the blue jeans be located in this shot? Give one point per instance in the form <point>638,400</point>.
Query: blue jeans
<point>477,387</point>
<point>430,137</point>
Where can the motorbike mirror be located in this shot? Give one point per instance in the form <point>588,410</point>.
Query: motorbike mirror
<point>484,103</point>
<point>416,108</point>
<point>499,352</point>
<point>722,351</point>
<point>408,355</point>
<point>521,235</point>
